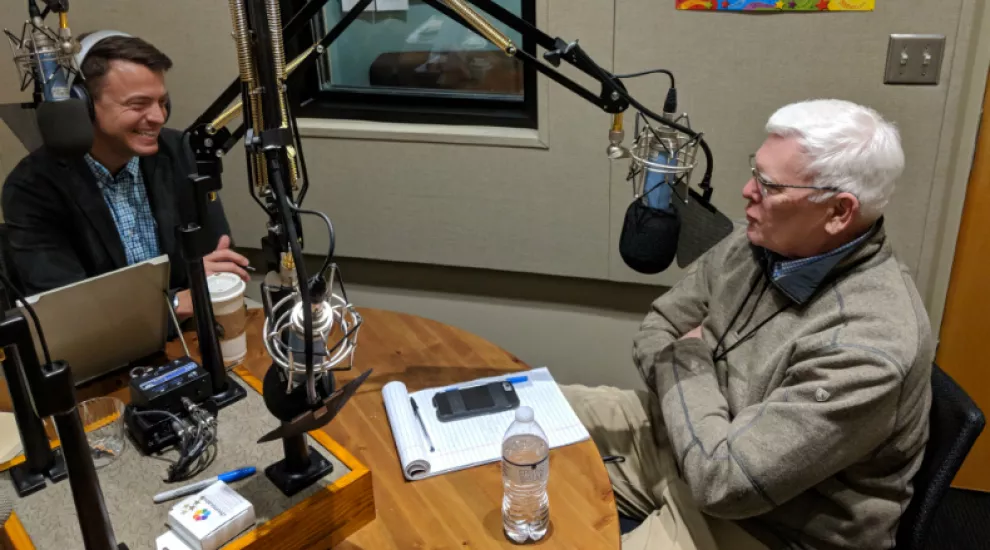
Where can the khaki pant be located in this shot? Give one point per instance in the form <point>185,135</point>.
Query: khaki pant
<point>646,485</point>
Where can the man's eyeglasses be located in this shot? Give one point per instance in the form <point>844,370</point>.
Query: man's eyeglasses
<point>768,187</point>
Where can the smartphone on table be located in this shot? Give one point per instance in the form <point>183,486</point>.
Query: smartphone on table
<point>489,398</point>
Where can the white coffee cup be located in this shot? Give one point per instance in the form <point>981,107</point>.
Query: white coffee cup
<point>227,296</point>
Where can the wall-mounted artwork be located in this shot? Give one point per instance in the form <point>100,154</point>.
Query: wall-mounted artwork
<point>776,5</point>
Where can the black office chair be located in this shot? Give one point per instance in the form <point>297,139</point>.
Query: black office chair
<point>955,424</point>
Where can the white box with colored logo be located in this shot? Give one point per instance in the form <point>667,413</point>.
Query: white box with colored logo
<point>211,518</point>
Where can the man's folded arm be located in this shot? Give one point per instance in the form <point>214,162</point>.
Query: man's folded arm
<point>830,411</point>
<point>674,313</point>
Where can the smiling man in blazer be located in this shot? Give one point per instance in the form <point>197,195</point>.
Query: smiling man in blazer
<point>71,218</point>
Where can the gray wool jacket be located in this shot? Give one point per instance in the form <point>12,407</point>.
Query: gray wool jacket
<point>803,409</point>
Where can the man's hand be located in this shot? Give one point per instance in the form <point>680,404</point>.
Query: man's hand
<point>221,260</point>
<point>225,260</point>
<point>693,333</point>
<point>185,308</point>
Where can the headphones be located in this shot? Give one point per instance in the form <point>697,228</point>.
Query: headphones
<point>78,89</point>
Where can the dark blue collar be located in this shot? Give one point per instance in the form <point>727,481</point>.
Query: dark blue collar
<point>799,279</point>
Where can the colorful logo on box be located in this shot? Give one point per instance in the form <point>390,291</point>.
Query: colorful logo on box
<point>201,514</point>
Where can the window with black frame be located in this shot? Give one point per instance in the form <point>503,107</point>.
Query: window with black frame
<point>407,62</point>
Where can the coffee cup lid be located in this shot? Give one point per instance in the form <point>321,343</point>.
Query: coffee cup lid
<point>224,286</point>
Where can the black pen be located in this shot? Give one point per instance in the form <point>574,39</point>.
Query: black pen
<point>421,423</point>
<point>613,458</point>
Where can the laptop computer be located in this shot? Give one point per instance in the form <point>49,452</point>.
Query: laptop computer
<point>107,322</point>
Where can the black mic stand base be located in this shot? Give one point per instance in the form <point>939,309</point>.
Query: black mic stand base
<point>301,467</point>
<point>41,462</point>
<point>232,393</point>
<point>26,482</point>
<point>54,394</point>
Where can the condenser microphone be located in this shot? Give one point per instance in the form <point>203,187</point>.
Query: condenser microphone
<point>44,57</point>
<point>49,74</point>
<point>662,160</point>
<point>335,326</point>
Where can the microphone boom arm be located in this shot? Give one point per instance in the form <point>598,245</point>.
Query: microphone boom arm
<point>210,139</point>
<point>612,98</point>
<point>57,6</point>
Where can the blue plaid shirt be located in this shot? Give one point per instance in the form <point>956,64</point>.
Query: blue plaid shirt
<point>127,199</point>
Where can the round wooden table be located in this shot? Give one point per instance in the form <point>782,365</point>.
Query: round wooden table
<point>459,509</point>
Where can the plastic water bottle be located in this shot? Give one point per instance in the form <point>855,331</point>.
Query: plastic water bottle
<point>525,471</point>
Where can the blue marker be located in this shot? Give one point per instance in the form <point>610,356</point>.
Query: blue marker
<point>512,380</point>
<point>226,477</point>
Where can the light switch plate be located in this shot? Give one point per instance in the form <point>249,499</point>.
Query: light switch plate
<point>914,59</point>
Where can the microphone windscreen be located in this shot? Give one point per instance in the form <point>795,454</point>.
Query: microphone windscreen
<point>704,226</point>
<point>319,416</point>
<point>65,126</point>
<point>649,237</point>
<point>286,406</point>
<point>282,405</point>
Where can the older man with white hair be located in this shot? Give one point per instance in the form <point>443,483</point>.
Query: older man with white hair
<point>788,372</point>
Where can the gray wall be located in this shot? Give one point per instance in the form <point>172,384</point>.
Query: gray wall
<point>547,203</point>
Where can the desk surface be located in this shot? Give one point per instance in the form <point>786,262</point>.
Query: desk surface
<point>458,509</point>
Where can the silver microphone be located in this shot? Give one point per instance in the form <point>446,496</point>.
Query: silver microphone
<point>47,59</point>
<point>336,323</point>
<point>44,57</point>
<point>658,153</point>
<point>662,158</point>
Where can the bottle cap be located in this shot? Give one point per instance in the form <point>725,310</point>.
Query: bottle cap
<point>524,414</point>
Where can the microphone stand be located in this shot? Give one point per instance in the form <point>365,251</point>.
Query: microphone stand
<point>302,465</point>
<point>54,395</point>
<point>40,460</point>
<point>205,183</point>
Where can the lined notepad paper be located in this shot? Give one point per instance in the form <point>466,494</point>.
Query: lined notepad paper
<point>472,441</point>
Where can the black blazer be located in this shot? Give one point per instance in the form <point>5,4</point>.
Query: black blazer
<point>61,231</point>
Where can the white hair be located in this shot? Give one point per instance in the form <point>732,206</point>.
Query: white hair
<point>847,146</point>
